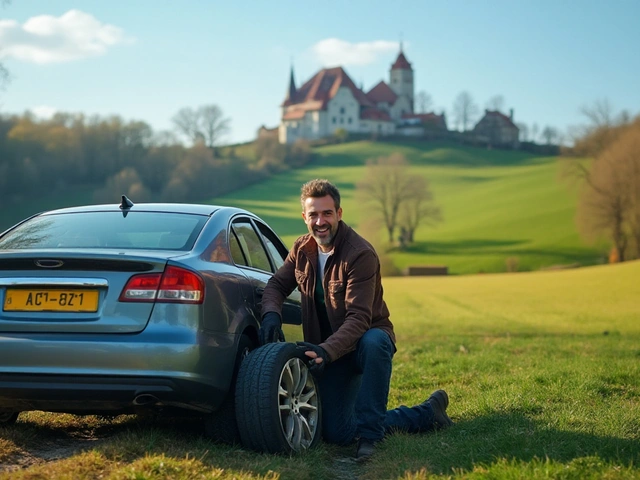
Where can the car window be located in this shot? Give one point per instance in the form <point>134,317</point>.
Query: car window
<point>274,245</point>
<point>236,251</point>
<point>110,230</point>
<point>251,245</point>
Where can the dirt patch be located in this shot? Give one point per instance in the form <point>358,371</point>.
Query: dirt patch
<point>48,450</point>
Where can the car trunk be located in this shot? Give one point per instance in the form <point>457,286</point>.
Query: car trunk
<point>53,291</point>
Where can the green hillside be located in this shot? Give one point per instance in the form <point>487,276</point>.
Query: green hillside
<point>496,204</point>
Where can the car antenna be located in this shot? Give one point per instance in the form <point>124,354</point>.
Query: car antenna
<point>125,204</point>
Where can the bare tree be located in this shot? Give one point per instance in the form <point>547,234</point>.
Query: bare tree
<point>524,131</point>
<point>213,124</point>
<point>600,114</point>
<point>418,209</point>
<point>464,110</point>
<point>496,103</point>
<point>610,200</point>
<point>424,102</point>
<point>187,121</point>
<point>534,132</point>
<point>550,135</point>
<point>397,193</point>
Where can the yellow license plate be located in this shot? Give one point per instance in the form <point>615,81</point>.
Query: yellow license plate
<point>49,300</point>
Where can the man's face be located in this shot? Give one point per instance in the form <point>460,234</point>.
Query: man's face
<point>322,220</point>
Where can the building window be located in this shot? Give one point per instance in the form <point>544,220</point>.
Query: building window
<point>333,120</point>
<point>349,120</point>
<point>341,110</point>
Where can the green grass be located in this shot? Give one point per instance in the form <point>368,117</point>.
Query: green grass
<point>496,205</point>
<point>542,369</point>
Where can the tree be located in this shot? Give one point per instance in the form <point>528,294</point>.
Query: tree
<point>424,102</point>
<point>213,124</point>
<point>524,131</point>
<point>186,122</point>
<point>464,110</point>
<point>419,208</point>
<point>534,132</point>
<point>610,201</point>
<point>600,113</point>
<point>550,135</point>
<point>396,193</point>
<point>496,103</point>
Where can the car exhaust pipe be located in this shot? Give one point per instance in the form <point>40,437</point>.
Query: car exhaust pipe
<point>145,399</point>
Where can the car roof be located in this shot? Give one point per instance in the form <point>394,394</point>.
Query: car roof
<point>189,208</point>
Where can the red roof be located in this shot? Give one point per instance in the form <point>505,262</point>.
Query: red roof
<point>401,63</point>
<point>323,86</point>
<point>382,93</point>
<point>375,114</point>
<point>296,114</point>
<point>427,118</point>
<point>501,116</point>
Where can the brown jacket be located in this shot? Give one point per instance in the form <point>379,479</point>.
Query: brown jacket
<point>352,286</point>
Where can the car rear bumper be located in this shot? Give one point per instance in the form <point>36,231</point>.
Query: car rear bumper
<point>101,394</point>
<point>94,373</point>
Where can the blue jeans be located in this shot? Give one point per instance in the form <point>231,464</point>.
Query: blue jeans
<point>354,391</point>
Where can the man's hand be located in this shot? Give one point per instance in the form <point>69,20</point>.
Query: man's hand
<point>270,329</point>
<point>318,357</point>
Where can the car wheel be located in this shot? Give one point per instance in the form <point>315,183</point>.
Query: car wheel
<point>7,418</point>
<point>277,401</point>
<point>221,425</point>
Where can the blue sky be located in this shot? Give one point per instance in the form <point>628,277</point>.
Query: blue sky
<point>146,59</point>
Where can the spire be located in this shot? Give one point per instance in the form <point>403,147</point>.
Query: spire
<point>291,92</point>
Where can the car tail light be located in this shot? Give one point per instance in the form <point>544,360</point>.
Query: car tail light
<point>174,285</point>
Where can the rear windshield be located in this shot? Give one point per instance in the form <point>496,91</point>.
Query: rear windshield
<point>136,230</point>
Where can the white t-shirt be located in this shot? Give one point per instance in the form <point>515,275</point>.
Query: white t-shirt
<point>322,261</point>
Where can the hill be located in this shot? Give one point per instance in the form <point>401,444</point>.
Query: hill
<point>496,205</point>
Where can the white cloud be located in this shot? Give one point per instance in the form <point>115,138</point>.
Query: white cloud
<point>47,39</point>
<point>44,111</point>
<point>333,51</point>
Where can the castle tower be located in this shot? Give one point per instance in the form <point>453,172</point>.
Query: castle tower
<point>401,78</point>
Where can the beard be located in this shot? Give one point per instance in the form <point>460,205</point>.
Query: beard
<point>327,239</point>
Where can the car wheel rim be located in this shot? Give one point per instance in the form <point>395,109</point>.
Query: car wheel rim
<point>298,404</point>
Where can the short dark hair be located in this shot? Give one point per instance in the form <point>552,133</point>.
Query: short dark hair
<point>319,188</point>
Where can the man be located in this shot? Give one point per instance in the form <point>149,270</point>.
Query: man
<point>349,338</point>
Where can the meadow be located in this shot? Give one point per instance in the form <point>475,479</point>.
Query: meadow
<point>496,205</point>
<point>542,369</point>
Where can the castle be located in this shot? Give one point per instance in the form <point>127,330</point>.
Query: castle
<point>330,100</point>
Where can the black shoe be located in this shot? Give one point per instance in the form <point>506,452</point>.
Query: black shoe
<point>365,449</point>
<point>439,401</point>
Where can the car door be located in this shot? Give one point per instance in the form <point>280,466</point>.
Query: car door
<point>259,252</point>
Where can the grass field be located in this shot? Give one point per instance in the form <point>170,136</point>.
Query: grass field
<point>496,205</point>
<point>542,368</point>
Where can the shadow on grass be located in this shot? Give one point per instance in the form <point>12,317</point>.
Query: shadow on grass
<point>515,436</point>
<point>486,246</point>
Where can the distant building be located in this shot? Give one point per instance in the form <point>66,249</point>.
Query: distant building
<point>497,129</point>
<point>331,100</point>
<point>264,132</point>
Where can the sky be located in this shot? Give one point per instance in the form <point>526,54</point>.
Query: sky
<point>146,59</point>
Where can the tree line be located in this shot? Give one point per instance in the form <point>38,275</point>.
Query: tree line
<point>118,157</point>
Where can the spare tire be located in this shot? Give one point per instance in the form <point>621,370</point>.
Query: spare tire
<point>277,401</point>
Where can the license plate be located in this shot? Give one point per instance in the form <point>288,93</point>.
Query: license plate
<point>49,300</point>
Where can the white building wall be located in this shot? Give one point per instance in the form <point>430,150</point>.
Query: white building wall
<point>343,111</point>
<point>401,82</point>
<point>401,106</point>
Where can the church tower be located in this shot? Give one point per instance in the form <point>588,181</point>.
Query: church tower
<point>401,78</point>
